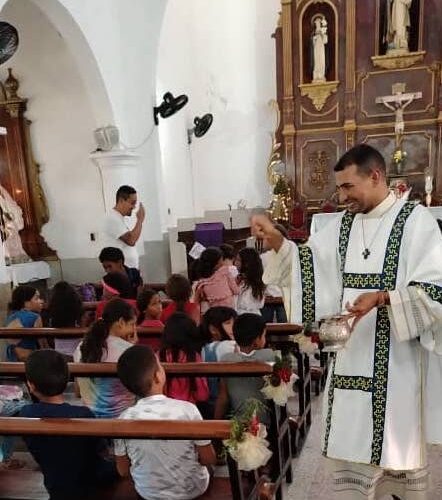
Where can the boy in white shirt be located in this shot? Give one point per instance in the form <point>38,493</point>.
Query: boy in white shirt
<point>160,469</point>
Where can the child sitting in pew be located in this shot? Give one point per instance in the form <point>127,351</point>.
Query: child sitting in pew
<point>182,343</point>
<point>112,260</point>
<point>25,309</point>
<point>161,469</point>
<point>217,329</point>
<point>150,309</point>
<point>249,331</point>
<point>105,341</point>
<point>179,291</point>
<point>65,310</point>
<point>115,284</point>
<point>71,466</point>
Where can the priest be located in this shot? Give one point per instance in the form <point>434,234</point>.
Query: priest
<point>380,261</point>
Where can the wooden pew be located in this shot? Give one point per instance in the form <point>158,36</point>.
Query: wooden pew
<point>281,336</point>
<point>279,432</point>
<point>9,333</point>
<point>12,483</point>
<point>171,369</point>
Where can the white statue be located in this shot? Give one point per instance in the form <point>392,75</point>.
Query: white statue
<point>398,24</point>
<point>11,222</point>
<point>319,41</point>
<point>397,102</point>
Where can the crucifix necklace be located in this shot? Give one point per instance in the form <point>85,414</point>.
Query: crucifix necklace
<point>366,253</point>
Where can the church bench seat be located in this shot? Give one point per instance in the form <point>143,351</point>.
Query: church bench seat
<point>279,432</point>
<point>176,369</point>
<point>28,485</point>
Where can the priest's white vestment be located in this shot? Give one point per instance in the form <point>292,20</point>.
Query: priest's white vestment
<point>374,398</point>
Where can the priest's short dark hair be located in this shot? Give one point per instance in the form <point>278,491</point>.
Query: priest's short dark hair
<point>365,157</point>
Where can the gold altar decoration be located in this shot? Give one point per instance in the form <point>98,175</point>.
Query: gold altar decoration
<point>319,172</point>
<point>318,92</point>
<point>281,194</point>
<point>279,206</point>
<point>398,61</point>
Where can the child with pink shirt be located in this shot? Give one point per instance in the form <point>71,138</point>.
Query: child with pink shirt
<point>217,286</point>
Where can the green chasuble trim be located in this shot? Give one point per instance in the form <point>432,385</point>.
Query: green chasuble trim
<point>433,291</point>
<point>308,284</point>
<point>377,384</point>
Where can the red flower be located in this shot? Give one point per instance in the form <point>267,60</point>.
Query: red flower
<point>254,425</point>
<point>315,338</point>
<point>285,374</point>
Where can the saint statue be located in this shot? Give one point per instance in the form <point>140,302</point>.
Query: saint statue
<point>319,41</point>
<point>11,222</point>
<point>398,24</point>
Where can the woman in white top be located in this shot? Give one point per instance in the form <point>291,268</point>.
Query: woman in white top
<point>252,288</point>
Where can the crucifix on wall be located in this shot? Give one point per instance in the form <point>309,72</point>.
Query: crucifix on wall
<point>397,102</point>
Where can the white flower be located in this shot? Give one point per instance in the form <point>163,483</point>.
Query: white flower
<point>252,452</point>
<point>281,393</point>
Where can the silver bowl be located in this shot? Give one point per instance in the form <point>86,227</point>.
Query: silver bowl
<point>334,332</point>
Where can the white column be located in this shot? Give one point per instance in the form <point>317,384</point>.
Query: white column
<point>116,168</point>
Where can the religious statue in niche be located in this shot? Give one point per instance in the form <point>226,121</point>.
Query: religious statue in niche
<point>396,33</point>
<point>319,42</point>
<point>11,222</point>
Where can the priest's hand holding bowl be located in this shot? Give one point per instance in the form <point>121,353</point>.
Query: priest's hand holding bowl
<point>365,303</point>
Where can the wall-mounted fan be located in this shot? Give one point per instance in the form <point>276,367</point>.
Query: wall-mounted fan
<point>202,125</point>
<point>169,106</point>
<point>8,41</point>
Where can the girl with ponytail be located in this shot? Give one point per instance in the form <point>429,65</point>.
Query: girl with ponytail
<point>105,341</point>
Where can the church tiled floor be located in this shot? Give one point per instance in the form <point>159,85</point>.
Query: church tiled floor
<point>311,480</point>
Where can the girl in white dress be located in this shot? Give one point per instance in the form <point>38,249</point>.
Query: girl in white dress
<point>251,286</point>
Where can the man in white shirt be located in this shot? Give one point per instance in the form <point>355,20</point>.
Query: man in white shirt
<point>117,226</point>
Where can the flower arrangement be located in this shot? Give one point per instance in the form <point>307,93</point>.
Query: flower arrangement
<point>399,158</point>
<point>279,385</point>
<point>247,444</point>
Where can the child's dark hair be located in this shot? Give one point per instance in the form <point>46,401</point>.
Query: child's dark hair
<point>216,316</point>
<point>251,271</point>
<point>48,371</point>
<point>94,342</point>
<point>136,367</point>
<point>20,295</point>
<point>179,289</point>
<point>194,271</point>
<point>121,283</point>
<point>247,328</point>
<point>65,306</point>
<point>143,300</point>
<point>111,254</point>
<point>180,334</point>
<point>227,251</point>
<point>209,260</point>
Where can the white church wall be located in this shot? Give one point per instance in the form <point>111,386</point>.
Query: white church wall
<point>222,55</point>
<point>62,121</point>
<point>92,64</point>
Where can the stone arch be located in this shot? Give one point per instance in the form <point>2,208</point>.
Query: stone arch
<point>64,22</point>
